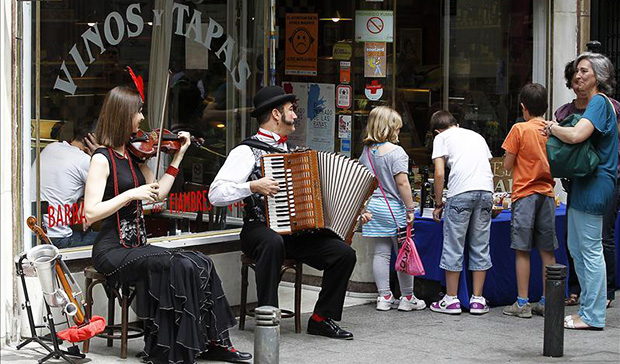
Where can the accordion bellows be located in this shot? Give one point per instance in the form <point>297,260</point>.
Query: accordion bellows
<point>318,190</point>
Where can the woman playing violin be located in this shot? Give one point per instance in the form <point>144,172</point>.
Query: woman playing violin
<point>171,304</point>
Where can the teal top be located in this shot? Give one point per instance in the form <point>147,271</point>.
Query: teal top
<point>593,193</point>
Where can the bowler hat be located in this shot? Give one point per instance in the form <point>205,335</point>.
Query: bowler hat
<point>270,97</point>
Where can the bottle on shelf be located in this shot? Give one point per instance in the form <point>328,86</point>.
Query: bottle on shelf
<point>426,198</point>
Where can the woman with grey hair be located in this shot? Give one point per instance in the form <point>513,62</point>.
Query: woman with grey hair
<point>591,195</point>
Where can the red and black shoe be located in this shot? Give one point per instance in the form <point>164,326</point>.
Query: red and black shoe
<point>225,353</point>
<point>328,328</point>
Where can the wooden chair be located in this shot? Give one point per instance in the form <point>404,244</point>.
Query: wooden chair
<point>125,296</point>
<point>247,262</point>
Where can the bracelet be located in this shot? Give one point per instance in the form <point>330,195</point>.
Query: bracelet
<point>173,171</point>
<point>410,208</point>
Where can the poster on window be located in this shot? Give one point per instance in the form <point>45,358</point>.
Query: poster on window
<point>321,124</point>
<point>344,126</point>
<point>375,62</point>
<point>298,137</point>
<point>301,44</point>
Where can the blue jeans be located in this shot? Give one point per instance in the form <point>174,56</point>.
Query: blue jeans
<point>584,244</point>
<point>78,238</point>
<point>467,217</point>
<point>609,243</point>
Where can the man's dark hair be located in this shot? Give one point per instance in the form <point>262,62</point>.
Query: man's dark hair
<point>534,97</point>
<point>442,120</point>
<point>80,131</point>
<point>569,73</point>
<point>264,117</point>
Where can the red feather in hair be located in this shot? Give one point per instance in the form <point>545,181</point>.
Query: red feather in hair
<point>138,81</point>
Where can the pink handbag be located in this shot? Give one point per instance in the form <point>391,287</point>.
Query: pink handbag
<point>408,259</point>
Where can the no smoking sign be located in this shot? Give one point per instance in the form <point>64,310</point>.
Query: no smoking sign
<point>343,96</point>
<point>374,26</point>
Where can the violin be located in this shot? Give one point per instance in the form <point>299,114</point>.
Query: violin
<point>143,145</point>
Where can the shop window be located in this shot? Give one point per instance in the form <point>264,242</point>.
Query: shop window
<point>85,48</point>
<point>491,50</point>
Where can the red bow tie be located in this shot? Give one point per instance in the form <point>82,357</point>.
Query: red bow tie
<point>282,139</point>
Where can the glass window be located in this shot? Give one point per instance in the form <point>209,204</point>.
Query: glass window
<point>490,58</point>
<point>214,53</point>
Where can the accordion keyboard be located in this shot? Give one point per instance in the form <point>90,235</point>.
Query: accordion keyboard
<point>280,207</point>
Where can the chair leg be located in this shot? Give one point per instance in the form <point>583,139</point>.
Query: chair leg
<point>111,309</point>
<point>124,325</point>
<point>89,309</point>
<point>298,277</point>
<point>244,296</point>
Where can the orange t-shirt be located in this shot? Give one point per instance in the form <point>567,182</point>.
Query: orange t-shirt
<point>531,173</point>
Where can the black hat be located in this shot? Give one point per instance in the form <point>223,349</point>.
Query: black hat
<point>270,97</point>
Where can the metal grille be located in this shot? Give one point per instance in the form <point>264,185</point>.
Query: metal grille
<point>605,27</point>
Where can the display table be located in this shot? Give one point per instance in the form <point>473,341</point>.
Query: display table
<point>500,286</point>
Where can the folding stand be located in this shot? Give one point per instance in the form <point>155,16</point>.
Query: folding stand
<point>56,352</point>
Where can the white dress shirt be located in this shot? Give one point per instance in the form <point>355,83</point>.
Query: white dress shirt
<point>231,183</point>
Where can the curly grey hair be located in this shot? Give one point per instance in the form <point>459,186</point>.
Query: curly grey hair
<point>603,71</point>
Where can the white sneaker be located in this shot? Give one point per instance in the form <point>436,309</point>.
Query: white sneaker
<point>411,304</point>
<point>478,305</point>
<point>451,308</point>
<point>385,304</point>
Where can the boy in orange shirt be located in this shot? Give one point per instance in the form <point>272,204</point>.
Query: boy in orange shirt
<point>533,202</point>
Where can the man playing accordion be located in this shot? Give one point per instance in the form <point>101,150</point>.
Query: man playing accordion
<point>240,178</point>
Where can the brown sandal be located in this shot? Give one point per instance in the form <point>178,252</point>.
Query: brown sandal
<point>572,300</point>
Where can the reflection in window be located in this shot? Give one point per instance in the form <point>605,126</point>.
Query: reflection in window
<point>85,49</point>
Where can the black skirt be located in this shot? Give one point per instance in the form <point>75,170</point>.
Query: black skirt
<point>178,294</point>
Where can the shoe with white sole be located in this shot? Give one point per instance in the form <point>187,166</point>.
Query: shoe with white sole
<point>478,305</point>
<point>411,304</point>
<point>385,304</point>
<point>442,306</point>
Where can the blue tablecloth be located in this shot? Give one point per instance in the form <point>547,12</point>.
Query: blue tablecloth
<point>500,286</point>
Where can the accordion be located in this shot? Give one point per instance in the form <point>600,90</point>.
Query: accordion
<point>318,190</point>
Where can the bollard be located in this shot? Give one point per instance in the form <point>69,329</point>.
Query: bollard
<point>267,335</point>
<point>554,310</point>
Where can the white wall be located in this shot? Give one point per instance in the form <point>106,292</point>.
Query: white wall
<point>564,49</point>
<point>6,204</point>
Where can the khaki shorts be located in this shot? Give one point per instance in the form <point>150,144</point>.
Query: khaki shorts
<point>533,223</point>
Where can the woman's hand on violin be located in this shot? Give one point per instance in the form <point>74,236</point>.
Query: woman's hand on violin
<point>186,141</point>
<point>148,192</point>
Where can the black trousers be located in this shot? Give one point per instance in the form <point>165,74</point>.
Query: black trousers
<point>318,250</point>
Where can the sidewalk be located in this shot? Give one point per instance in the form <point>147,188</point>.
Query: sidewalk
<point>421,337</point>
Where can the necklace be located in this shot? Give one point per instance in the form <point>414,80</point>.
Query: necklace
<point>113,156</point>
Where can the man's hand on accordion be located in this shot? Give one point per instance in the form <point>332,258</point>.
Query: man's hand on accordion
<point>265,186</point>
<point>365,217</point>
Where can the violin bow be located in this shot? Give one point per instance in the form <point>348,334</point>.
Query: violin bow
<point>161,125</point>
